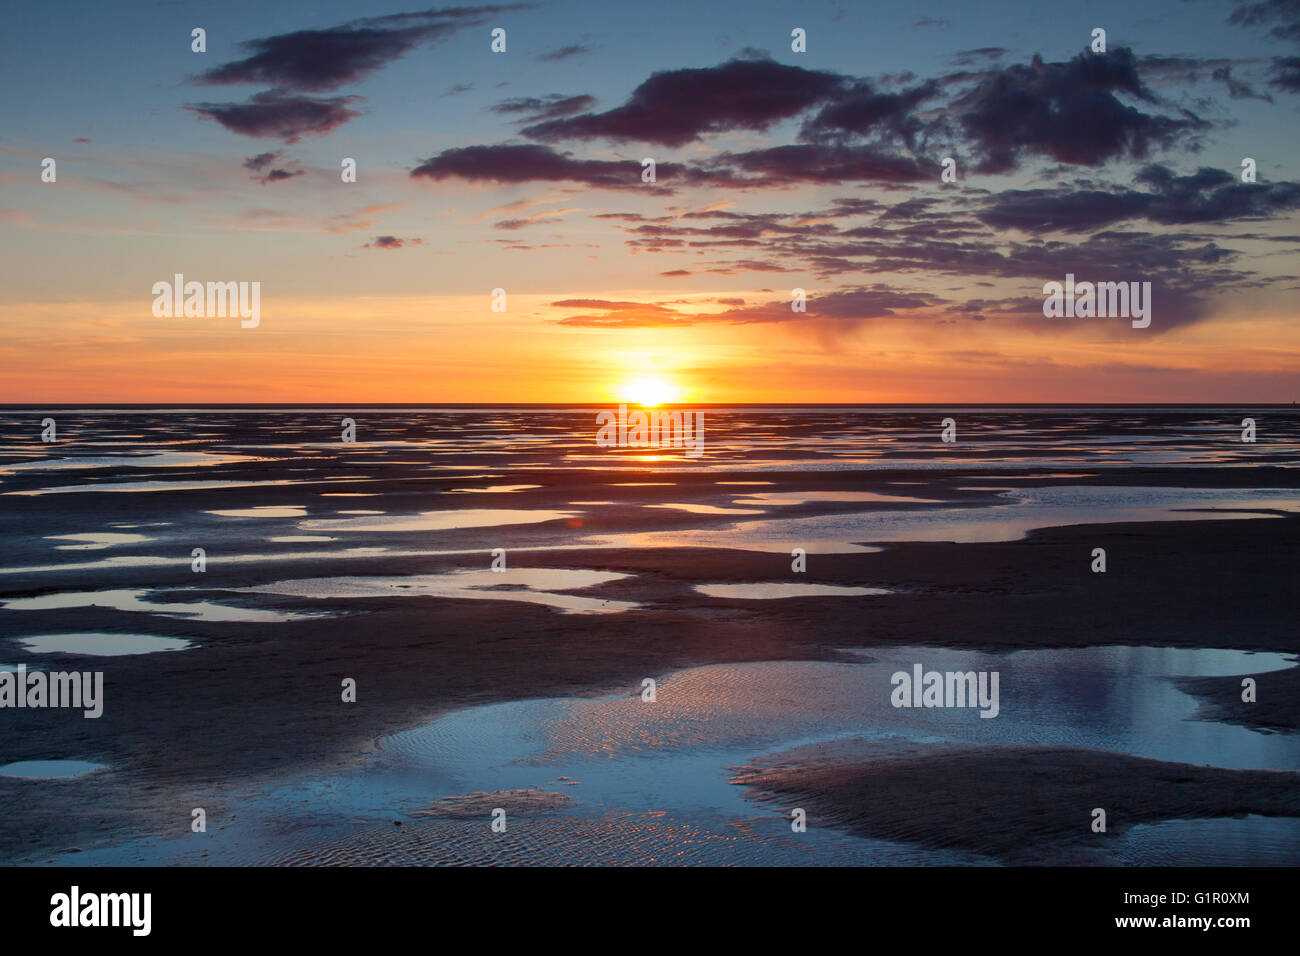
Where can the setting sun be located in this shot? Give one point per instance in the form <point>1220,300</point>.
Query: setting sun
<point>650,392</point>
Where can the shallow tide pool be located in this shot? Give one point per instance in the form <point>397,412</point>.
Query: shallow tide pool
<point>624,780</point>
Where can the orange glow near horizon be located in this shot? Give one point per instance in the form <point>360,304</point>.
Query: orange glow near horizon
<point>650,391</point>
<point>420,350</point>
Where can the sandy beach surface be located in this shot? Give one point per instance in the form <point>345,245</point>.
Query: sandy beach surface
<point>479,689</point>
<point>1019,804</point>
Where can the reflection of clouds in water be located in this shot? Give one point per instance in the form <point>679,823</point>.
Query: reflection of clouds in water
<point>650,782</point>
<point>1112,698</point>
<point>673,754</point>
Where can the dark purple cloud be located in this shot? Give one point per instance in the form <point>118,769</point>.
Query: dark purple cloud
<point>863,110</point>
<point>264,165</point>
<point>1068,112</point>
<point>260,162</point>
<point>1238,89</point>
<point>1206,196</point>
<point>1186,271</point>
<point>1285,74</point>
<point>535,163</point>
<point>844,308</point>
<point>938,238</point>
<point>312,61</point>
<point>775,167</point>
<point>1174,71</point>
<point>981,54</point>
<point>549,107</point>
<point>564,52</point>
<point>511,224</point>
<point>1087,111</point>
<point>675,107</point>
<point>277,115</point>
<point>1281,16</point>
<point>1214,195</point>
<point>979,310</point>
<point>1063,210</point>
<point>854,130</point>
<point>391,242</point>
<point>523,164</point>
<point>945,236</point>
<point>808,163</point>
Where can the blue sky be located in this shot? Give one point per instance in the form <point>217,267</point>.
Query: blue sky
<point>148,187</point>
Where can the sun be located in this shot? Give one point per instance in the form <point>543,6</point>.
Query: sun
<point>650,391</point>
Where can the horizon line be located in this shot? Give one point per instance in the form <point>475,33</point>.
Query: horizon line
<point>33,406</point>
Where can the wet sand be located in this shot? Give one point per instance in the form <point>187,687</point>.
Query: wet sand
<point>254,703</point>
<point>1021,805</point>
<point>1276,707</point>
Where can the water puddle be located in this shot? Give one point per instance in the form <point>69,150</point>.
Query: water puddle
<point>491,489</point>
<point>530,585</point>
<point>157,459</point>
<point>263,511</point>
<point>708,509</point>
<point>94,542</point>
<point>806,497</point>
<point>1018,513</point>
<point>102,645</point>
<point>770,590</point>
<point>135,601</point>
<point>48,769</point>
<point>622,780</point>
<point>156,486</point>
<point>438,520</point>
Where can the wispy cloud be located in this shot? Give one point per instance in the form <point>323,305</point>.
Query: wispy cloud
<point>315,61</point>
<point>277,115</point>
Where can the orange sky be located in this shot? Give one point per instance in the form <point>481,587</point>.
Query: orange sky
<point>425,349</point>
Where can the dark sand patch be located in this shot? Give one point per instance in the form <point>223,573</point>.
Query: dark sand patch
<point>1276,706</point>
<point>1022,805</point>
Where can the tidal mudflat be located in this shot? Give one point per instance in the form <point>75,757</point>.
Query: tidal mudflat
<point>500,621</point>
